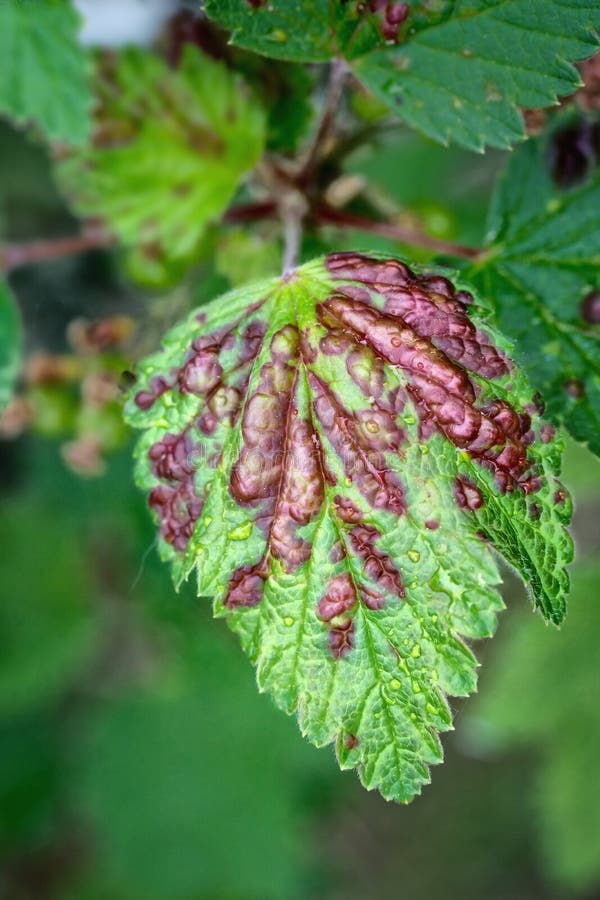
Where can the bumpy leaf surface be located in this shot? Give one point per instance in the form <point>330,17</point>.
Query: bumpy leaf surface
<point>43,69</point>
<point>331,453</point>
<point>10,343</point>
<point>543,275</point>
<point>169,150</point>
<point>462,79</point>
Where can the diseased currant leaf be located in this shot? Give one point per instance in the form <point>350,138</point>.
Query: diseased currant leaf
<point>462,79</point>
<point>10,343</point>
<point>43,69</point>
<point>170,148</point>
<point>331,453</point>
<point>543,275</point>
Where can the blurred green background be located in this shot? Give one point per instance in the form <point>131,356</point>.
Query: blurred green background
<point>137,760</point>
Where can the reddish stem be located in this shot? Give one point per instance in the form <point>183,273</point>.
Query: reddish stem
<point>251,212</point>
<point>406,235</point>
<point>12,256</point>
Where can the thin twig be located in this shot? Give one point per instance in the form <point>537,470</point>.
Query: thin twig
<point>292,237</point>
<point>406,235</point>
<point>13,256</point>
<point>339,70</point>
<point>292,210</point>
<point>251,212</point>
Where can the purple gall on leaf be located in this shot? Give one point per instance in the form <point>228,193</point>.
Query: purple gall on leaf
<point>334,454</point>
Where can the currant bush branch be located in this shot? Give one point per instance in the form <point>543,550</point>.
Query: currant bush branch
<point>312,157</point>
<point>292,211</point>
<point>96,237</point>
<point>328,215</point>
<point>14,256</point>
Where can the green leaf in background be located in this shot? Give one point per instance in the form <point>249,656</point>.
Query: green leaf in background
<point>317,30</point>
<point>327,452</point>
<point>458,71</point>
<point>461,79</point>
<point>557,716</point>
<point>10,343</point>
<point>43,69</point>
<point>542,273</point>
<point>303,30</point>
<point>170,148</point>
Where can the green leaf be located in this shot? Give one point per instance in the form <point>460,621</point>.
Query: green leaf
<point>462,79</point>
<point>317,30</point>
<point>544,701</point>
<point>170,149</point>
<point>457,70</point>
<point>302,30</point>
<point>43,69</point>
<point>10,343</point>
<point>543,262</point>
<point>330,453</point>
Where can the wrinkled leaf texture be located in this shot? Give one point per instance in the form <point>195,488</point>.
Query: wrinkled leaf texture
<point>333,453</point>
